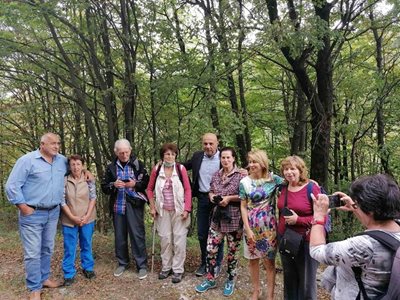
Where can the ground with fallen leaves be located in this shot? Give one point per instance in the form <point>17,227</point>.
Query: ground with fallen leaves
<point>105,285</point>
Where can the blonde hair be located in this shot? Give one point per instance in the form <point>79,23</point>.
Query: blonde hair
<point>260,157</point>
<point>299,164</point>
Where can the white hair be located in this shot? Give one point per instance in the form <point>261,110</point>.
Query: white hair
<point>121,143</point>
<point>48,135</point>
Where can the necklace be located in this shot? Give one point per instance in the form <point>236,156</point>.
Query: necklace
<point>257,182</point>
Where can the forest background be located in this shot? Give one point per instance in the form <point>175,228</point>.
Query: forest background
<point>314,78</point>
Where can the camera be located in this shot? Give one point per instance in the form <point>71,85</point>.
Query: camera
<point>217,199</point>
<point>334,201</point>
<point>221,213</point>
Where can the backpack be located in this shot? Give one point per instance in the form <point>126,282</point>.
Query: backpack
<point>178,167</point>
<point>391,243</point>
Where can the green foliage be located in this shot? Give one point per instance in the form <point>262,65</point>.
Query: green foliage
<point>169,63</point>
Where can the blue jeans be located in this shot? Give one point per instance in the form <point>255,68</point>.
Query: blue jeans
<point>204,208</point>
<point>85,243</point>
<point>37,232</point>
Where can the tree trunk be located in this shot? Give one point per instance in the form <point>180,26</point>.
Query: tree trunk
<point>222,39</point>
<point>244,115</point>
<point>211,96</point>
<point>380,119</point>
<point>299,123</point>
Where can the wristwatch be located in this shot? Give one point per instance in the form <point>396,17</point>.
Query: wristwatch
<point>318,222</point>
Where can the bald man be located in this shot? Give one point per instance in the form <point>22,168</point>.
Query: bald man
<point>204,164</point>
<point>36,186</point>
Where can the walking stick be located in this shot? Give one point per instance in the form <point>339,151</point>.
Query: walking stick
<point>152,247</point>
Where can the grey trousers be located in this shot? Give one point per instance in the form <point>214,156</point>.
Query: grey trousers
<point>132,224</point>
<point>300,275</point>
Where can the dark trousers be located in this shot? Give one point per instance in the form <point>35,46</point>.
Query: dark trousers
<point>204,208</point>
<point>132,224</point>
<point>300,275</point>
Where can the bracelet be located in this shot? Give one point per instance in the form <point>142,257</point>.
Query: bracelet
<point>318,222</point>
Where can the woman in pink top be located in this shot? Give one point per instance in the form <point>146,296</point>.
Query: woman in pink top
<point>299,273</point>
<point>170,199</point>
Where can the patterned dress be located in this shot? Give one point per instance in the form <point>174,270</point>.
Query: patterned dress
<point>260,197</point>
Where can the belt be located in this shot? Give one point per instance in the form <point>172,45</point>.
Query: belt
<point>42,208</point>
<point>204,193</point>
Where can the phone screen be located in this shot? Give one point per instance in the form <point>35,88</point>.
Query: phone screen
<point>334,201</point>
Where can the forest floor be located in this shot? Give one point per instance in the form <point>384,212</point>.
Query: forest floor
<point>105,285</point>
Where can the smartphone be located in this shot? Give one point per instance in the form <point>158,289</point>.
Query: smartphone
<point>125,180</point>
<point>286,212</point>
<point>334,201</point>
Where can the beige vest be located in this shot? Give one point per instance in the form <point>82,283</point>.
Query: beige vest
<point>77,199</point>
<point>177,188</point>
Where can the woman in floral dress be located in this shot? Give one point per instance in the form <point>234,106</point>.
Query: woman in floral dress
<point>257,192</point>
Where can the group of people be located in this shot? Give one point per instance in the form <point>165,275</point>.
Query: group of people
<point>252,207</point>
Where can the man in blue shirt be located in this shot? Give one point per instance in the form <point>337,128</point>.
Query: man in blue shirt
<point>35,186</point>
<point>204,164</point>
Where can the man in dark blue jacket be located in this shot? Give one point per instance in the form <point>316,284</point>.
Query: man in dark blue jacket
<point>204,164</point>
<point>125,181</point>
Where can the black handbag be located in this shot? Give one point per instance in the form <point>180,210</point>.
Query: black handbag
<point>291,241</point>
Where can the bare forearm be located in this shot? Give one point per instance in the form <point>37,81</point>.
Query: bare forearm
<point>233,198</point>
<point>243,209</point>
<point>317,235</point>
<point>66,210</point>
<point>92,204</point>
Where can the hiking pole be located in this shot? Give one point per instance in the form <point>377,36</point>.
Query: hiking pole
<point>152,247</point>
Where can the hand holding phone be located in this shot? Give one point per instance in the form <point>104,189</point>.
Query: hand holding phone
<point>286,212</point>
<point>334,201</point>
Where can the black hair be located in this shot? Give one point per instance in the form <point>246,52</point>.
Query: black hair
<point>377,194</point>
<point>232,150</point>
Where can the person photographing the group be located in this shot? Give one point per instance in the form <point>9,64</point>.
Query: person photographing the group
<point>375,202</point>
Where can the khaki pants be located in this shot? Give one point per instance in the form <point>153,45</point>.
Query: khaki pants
<point>173,232</point>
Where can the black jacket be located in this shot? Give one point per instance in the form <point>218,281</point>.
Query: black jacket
<point>194,164</point>
<point>107,184</point>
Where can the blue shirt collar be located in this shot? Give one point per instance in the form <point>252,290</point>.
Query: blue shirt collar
<point>216,154</point>
<point>38,154</point>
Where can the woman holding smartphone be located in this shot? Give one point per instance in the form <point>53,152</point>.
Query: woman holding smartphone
<point>296,212</point>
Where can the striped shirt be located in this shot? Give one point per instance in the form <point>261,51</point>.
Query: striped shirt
<point>168,195</point>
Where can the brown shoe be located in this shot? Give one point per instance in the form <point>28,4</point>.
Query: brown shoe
<point>34,295</point>
<point>51,284</point>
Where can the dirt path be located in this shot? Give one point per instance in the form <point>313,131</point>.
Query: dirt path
<point>106,286</point>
